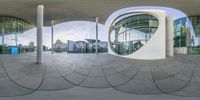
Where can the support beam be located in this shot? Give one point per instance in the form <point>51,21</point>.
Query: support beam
<point>170,35</point>
<point>39,33</point>
<point>96,48</point>
<point>52,23</point>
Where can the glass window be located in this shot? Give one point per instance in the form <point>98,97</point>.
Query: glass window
<point>133,32</point>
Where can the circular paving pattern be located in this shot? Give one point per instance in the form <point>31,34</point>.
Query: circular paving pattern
<point>20,75</point>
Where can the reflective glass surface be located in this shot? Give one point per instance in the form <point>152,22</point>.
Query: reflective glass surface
<point>11,32</point>
<point>180,31</point>
<point>131,32</point>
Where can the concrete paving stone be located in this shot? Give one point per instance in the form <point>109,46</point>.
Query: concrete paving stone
<point>95,82</point>
<point>96,72</point>
<point>56,84</point>
<point>139,87</point>
<point>76,78</point>
<point>171,84</point>
<point>117,79</point>
<point>64,72</point>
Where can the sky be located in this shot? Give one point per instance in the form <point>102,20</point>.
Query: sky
<point>77,30</point>
<point>73,30</point>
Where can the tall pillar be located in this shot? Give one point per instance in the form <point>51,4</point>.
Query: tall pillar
<point>2,37</point>
<point>16,39</point>
<point>39,33</point>
<point>96,48</point>
<point>170,35</point>
<point>52,23</point>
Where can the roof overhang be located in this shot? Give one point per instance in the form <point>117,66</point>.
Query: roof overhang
<point>85,10</point>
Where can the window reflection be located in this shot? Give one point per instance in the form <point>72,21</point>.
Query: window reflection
<point>10,30</point>
<point>187,33</point>
<point>132,32</point>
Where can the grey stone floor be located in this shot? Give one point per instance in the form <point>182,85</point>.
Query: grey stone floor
<point>98,77</point>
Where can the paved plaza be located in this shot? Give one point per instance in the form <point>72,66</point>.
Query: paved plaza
<point>98,77</point>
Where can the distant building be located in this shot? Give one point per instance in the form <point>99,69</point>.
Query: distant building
<point>80,47</point>
<point>31,47</point>
<point>103,46</point>
<point>87,46</point>
<point>70,46</point>
<point>92,45</point>
<point>59,46</point>
<point>45,48</point>
<point>20,45</point>
<point>31,44</point>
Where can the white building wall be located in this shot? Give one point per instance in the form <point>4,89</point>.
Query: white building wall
<point>155,48</point>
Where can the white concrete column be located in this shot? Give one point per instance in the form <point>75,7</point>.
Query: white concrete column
<point>39,33</point>
<point>96,48</point>
<point>16,39</point>
<point>52,23</point>
<point>170,35</point>
<point>2,37</point>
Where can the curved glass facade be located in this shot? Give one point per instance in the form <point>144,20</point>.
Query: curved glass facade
<point>9,25</point>
<point>130,33</point>
<point>11,29</point>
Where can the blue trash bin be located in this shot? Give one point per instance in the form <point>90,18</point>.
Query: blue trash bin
<point>14,50</point>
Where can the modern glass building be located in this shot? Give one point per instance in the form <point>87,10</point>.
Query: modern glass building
<point>11,27</point>
<point>132,32</point>
<point>143,38</point>
<point>186,33</point>
<point>196,24</point>
<point>129,33</point>
<point>180,30</point>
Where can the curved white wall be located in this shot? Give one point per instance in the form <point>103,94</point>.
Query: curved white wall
<point>155,48</point>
